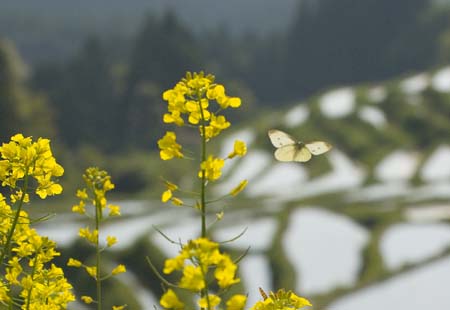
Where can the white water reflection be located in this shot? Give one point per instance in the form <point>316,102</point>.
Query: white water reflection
<point>183,228</point>
<point>324,248</point>
<point>281,179</point>
<point>412,243</point>
<point>399,165</point>
<point>145,297</point>
<point>247,168</point>
<point>437,166</point>
<point>284,182</point>
<point>377,94</point>
<point>373,116</point>
<point>380,191</point>
<point>258,234</point>
<point>296,116</point>
<point>441,80</point>
<point>255,272</point>
<point>63,232</point>
<point>337,103</point>
<point>423,288</point>
<point>415,84</point>
<point>344,175</point>
<point>428,213</point>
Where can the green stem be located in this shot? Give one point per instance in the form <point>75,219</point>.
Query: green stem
<point>32,277</point>
<point>98,215</point>
<point>160,277</point>
<point>203,292</point>
<point>7,248</point>
<point>203,185</point>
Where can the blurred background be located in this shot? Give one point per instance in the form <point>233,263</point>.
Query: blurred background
<point>361,228</point>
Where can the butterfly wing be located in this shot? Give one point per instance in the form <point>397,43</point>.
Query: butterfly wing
<point>318,147</point>
<point>303,154</point>
<point>293,152</point>
<point>280,138</point>
<point>286,153</point>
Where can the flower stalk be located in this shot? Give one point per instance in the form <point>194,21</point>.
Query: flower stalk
<point>200,260</point>
<point>98,183</point>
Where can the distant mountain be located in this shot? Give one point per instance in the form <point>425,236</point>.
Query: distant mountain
<point>60,25</point>
<point>239,16</point>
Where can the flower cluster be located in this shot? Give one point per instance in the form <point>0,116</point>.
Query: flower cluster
<point>190,103</point>
<point>22,158</point>
<point>28,273</point>
<point>199,260</point>
<point>29,280</point>
<point>191,98</point>
<point>281,300</point>
<point>98,183</point>
<point>200,263</point>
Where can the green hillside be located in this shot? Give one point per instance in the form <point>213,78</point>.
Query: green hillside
<point>389,171</point>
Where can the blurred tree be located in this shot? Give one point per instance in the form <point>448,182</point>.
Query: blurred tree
<point>84,98</point>
<point>164,51</point>
<point>20,109</point>
<point>10,73</point>
<point>439,18</point>
<point>341,42</point>
<point>266,73</point>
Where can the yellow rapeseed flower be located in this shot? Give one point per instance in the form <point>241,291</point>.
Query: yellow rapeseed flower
<point>174,117</point>
<point>91,270</point>
<point>214,300</point>
<point>79,208</point>
<point>236,302</point>
<point>74,263</point>
<point>119,269</point>
<point>172,264</point>
<point>170,301</point>
<point>282,300</point>
<point>225,272</point>
<point>44,288</point>
<point>111,240</point>
<point>219,122</point>
<point>212,168</point>
<point>114,210</point>
<point>166,195</point>
<point>169,148</point>
<point>22,158</point>
<point>239,188</point>
<point>240,149</point>
<point>86,233</point>
<point>81,193</point>
<point>87,299</point>
<point>216,92</point>
<point>177,201</point>
<point>18,195</point>
<point>192,279</point>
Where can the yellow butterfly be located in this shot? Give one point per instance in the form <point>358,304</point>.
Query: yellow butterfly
<point>289,149</point>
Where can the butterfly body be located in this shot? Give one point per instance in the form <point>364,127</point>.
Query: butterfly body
<point>289,149</point>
